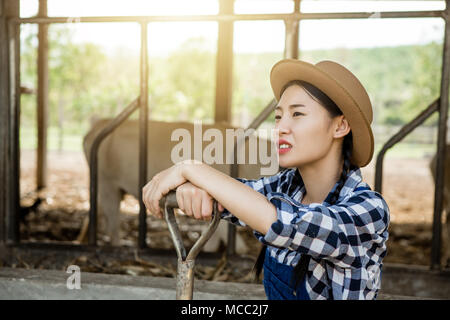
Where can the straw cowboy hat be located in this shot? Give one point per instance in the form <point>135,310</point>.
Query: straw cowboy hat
<point>341,86</point>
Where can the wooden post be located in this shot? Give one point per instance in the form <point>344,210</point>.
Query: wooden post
<point>441,147</point>
<point>143,134</point>
<point>291,35</point>
<point>224,65</point>
<point>224,86</point>
<point>42,99</point>
<point>4,103</point>
<point>9,121</point>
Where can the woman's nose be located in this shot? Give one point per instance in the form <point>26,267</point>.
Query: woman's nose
<point>283,125</point>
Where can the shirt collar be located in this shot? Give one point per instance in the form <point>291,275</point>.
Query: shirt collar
<point>354,177</point>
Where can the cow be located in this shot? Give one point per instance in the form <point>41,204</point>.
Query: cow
<point>446,203</point>
<point>118,167</point>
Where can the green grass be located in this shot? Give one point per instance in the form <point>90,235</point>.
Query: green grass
<point>70,142</point>
<point>408,150</point>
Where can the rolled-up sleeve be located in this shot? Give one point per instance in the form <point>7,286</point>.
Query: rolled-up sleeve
<point>341,233</point>
<point>263,185</point>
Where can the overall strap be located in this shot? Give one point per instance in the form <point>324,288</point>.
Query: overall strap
<point>330,292</point>
<point>257,268</point>
<point>300,269</point>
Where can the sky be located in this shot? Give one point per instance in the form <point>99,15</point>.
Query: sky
<point>249,36</point>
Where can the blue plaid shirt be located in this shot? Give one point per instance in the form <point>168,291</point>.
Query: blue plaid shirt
<point>346,240</point>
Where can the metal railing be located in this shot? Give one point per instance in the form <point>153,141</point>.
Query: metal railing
<point>297,16</point>
<point>396,138</point>
<point>10,60</point>
<point>234,170</point>
<point>93,166</point>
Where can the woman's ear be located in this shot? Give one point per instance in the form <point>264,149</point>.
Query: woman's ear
<point>341,127</point>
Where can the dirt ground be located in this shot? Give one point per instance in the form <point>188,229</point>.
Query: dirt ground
<point>407,187</point>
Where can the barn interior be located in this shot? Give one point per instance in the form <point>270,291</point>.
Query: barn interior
<point>49,194</point>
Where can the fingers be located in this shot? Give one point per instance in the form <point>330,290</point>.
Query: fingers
<point>193,201</point>
<point>155,196</point>
<point>187,202</point>
<point>145,197</point>
<point>197,204</point>
<point>180,198</point>
<point>151,201</point>
<point>207,206</point>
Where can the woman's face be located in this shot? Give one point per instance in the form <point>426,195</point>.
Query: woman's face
<point>305,128</point>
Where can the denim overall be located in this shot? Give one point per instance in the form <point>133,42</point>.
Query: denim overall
<point>277,281</point>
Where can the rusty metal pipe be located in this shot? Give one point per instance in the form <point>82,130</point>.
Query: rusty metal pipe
<point>93,167</point>
<point>441,147</point>
<point>143,134</point>
<point>402,133</point>
<point>42,100</point>
<point>234,169</point>
<point>186,263</point>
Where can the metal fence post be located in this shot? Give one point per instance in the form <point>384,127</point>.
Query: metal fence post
<point>441,148</point>
<point>12,106</point>
<point>143,129</point>
<point>42,99</point>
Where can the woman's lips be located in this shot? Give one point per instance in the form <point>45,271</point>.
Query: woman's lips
<point>283,146</point>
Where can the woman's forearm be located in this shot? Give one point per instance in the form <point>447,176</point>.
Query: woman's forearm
<point>245,203</point>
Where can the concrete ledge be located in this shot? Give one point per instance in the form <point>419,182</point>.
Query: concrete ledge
<point>414,280</point>
<point>397,279</point>
<point>25,284</point>
<point>16,283</point>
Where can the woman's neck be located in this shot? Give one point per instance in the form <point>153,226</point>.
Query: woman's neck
<point>319,178</point>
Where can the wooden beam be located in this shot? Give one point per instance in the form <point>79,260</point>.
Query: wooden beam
<point>291,39</point>
<point>239,17</point>
<point>4,103</point>
<point>143,134</point>
<point>224,65</point>
<point>14,117</point>
<point>224,86</point>
<point>42,99</point>
<point>291,34</point>
<point>9,118</point>
<point>436,241</point>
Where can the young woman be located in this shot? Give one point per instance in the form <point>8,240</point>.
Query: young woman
<point>324,230</point>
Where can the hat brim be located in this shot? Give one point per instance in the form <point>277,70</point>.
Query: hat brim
<point>290,69</point>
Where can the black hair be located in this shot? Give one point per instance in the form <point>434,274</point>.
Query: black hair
<point>301,268</point>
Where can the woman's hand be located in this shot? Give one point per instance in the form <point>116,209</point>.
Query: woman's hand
<point>195,202</point>
<point>248,205</point>
<point>159,186</point>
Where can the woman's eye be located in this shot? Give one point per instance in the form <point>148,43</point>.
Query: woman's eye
<point>297,114</point>
<point>277,117</point>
